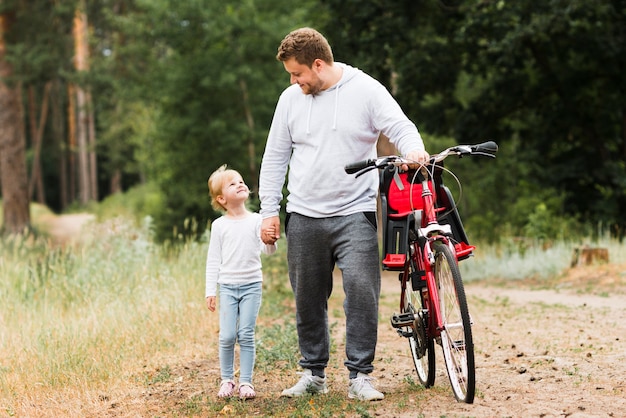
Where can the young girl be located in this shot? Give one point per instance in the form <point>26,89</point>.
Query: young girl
<point>234,262</point>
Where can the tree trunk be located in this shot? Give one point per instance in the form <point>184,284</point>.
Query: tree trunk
<point>58,137</point>
<point>36,176</point>
<point>93,169</point>
<point>84,193</point>
<point>85,128</point>
<point>115,184</point>
<point>71,142</point>
<point>82,131</point>
<point>584,256</point>
<point>13,175</point>
<point>252,165</point>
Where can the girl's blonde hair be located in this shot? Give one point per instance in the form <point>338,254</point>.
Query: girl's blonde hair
<point>216,183</point>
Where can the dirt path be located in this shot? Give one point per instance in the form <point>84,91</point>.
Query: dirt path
<point>539,353</point>
<point>545,353</point>
<point>66,229</point>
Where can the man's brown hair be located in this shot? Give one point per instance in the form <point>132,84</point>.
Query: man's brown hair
<point>305,45</point>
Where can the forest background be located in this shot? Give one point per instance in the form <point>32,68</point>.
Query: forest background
<point>139,101</point>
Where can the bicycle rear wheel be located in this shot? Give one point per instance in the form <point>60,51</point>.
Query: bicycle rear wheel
<point>420,342</point>
<point>456,335</point>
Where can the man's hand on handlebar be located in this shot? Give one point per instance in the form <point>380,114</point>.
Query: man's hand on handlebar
<point>419,156</point>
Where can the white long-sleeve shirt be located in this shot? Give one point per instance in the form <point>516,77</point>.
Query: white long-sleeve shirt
<point>317,135</point>
<point>234,254</point>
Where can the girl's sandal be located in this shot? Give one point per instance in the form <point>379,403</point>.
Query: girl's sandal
<point>227,389</point>
<point>246,391</point>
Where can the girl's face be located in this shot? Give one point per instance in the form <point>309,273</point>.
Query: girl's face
<point>234,190</point>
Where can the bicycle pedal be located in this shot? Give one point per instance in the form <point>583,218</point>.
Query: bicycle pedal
<point>406,334</point>
<point>402,320</point>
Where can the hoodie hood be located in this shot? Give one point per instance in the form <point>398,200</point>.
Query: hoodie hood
<point>348,74</point>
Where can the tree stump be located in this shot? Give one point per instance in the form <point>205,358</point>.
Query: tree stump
<point>584,256</point>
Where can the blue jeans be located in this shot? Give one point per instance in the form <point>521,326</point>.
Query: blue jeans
<point>239,308</point>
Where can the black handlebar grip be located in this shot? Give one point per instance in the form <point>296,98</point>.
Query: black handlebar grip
<point>487,147</point>
<point>358,166</point>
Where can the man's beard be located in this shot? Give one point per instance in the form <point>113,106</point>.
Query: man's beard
<point>313,89</point>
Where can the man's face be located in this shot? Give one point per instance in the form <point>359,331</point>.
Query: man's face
<point>307,78</point>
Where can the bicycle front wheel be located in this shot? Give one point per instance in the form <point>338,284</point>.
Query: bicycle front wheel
<point>456,333</point>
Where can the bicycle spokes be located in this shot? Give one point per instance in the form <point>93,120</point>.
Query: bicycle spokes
<point>456,334</point>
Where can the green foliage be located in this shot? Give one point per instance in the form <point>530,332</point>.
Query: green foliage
<point>215,80</point>
<point>544,225</point>
<point>407,45</point>
<point>137,203</point>
<point>543,80</point>
<point>558,63</point>
<point>181,88</point>
<point>38,55</point>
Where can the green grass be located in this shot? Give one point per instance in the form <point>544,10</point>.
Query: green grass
<point>277,347</point>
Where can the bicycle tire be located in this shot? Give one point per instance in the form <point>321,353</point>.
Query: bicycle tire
<point>421,343</point>
<point>456,335</point>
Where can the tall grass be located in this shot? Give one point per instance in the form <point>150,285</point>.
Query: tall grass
<point>98,313</point>
<point>83,316</point>
<point>526,258</point>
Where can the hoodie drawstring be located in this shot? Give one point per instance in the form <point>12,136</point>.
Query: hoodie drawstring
<point>336,107</point>
<point>308,119</point>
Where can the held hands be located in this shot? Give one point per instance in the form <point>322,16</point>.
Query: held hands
<point>270,230</point>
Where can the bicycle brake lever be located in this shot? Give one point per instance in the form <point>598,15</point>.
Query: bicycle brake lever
<point>365,170</point>
<point>463,150</point>
<point>384,161</point>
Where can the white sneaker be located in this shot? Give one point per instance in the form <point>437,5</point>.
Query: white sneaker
<point>307,384</point>
<point>361,388</point>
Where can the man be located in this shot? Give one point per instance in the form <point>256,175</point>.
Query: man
<point>330,116</point>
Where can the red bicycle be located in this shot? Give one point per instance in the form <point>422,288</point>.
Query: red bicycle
<point>424,239</point>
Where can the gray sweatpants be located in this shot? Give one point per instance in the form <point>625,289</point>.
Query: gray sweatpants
<point>314,247</point>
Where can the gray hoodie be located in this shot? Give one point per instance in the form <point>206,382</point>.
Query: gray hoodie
<point>317,135</point>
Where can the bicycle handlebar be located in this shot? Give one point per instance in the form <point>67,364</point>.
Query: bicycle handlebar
<point>485,149</point>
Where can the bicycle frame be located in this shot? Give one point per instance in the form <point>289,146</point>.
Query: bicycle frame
<point>423,256</point>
